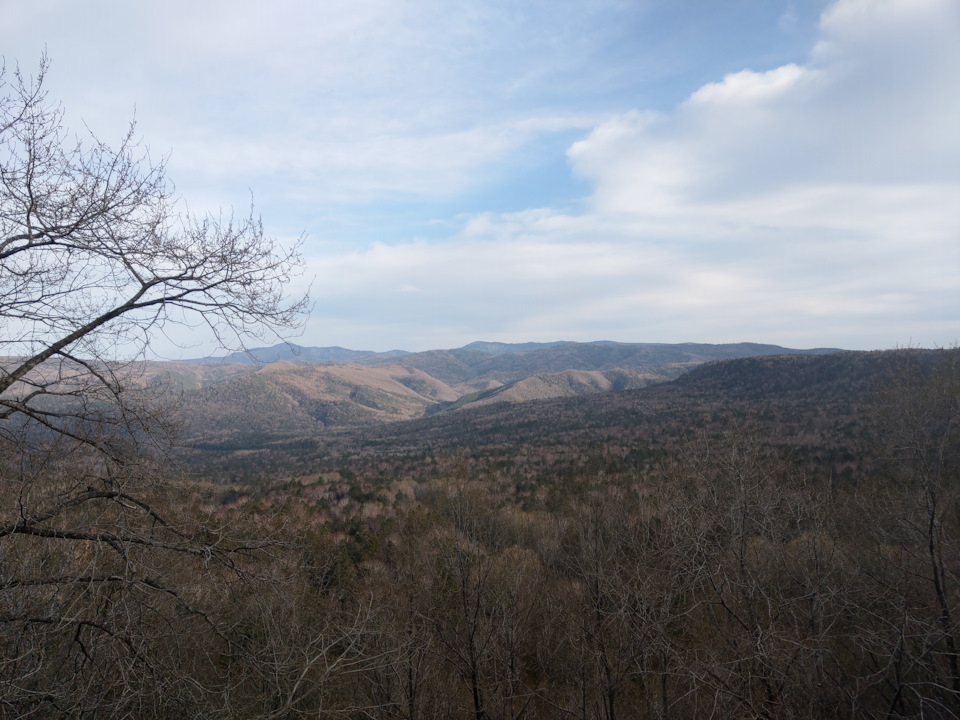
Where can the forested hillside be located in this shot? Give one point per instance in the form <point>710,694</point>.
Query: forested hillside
<point>762,537</point>
<point>816,404</point>
<point>310,393</point>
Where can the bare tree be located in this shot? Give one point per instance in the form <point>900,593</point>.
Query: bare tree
<point>772,598</point>
<point>102,573</point>
<point>911,566</point>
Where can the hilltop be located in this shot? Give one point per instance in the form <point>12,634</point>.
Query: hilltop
<point>319,389</point>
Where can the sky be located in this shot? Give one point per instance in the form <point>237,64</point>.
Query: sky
<point>777,171</point>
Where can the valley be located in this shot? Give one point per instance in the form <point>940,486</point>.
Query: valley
<point>309,390</point>
<point>576,530</point>
<point>744,539</point>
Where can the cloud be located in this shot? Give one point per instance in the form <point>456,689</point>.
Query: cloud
<point>363,165</point>
<point>344,101</point>
<point>848,165</point>
<point>813,203</point>
<point>809,200</point>
<point>877,103</point>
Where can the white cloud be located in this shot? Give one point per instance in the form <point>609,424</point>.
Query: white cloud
<point>881,106</point>
<point>348,101</point>
<point>813,204</point>
<point>361,165</point>
<point>748,90</point>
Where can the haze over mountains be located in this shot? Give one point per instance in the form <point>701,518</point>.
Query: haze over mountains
<point>286,389</point>
<point>294,352</point>
<point>293,421</point>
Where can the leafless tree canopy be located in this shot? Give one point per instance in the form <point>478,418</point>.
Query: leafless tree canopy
<point>102,569</point>
<point>97,254</point>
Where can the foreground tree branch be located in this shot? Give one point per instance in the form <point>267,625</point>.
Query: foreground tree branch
<point>111,585</point>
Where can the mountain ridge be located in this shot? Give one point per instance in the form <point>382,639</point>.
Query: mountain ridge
<point>336,353</point>
<point>304,396</point>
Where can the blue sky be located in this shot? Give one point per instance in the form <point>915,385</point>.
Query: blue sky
<point>780,171</point>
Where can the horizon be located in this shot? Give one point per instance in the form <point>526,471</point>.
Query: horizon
<point>296,347</point>
<point>786,172</point>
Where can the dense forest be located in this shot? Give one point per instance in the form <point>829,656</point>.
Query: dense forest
<point>762,537</point>
<point>768,537</point>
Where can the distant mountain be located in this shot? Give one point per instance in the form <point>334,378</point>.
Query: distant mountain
<point>551,356</point>
<point>499,348</point>
<point>819,406</point>
<point>319,388</point>
<point>467,367</point>
<point>841,377</point>
<point>542,386</point>
<point>291,352</point>
<point>285,398</point>
<point>820,400</point>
